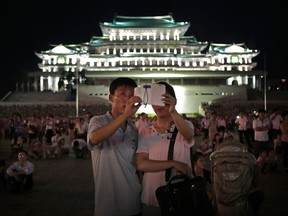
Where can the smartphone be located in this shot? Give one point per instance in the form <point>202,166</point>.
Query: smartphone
<point>151,93</point>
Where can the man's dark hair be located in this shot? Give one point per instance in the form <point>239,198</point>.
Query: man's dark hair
<point>122,81</point>
<point>76,144</point>
<point>261,110</point>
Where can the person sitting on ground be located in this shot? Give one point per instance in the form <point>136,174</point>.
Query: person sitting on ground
<point>20,174</point>
<point>35,148</point>
<point>79,146</point>
<point>55,148</point>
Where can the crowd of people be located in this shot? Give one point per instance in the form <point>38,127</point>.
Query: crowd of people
<point>134,147</point>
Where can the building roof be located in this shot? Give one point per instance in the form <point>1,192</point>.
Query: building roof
<point>166,21</point>
<point>239,48</point>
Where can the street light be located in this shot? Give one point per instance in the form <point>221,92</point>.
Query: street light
<point>77,85</point>
<point>265,83</point>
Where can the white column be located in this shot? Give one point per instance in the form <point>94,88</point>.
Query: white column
<point>41,84</point>
<point>49,83</point>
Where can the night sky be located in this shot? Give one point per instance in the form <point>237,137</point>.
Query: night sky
<point>33,25</point>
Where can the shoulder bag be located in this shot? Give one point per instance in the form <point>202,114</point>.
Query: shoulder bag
<point>183,195</point>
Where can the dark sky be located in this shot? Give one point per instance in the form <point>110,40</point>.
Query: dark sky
<point>32,25</point>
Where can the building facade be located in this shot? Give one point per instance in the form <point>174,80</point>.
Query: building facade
<point>151,49</point>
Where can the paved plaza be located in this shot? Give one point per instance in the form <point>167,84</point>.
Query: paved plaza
<point>64,187</point>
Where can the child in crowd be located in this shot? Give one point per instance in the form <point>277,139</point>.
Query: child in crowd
<point>205,147</point>
<point>217,141</point>
<point>228,135</point>
<point>201,170</point>
<point>262,161</point>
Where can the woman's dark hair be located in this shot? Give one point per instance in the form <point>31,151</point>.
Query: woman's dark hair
<point>169,88</point>
<point>197,155</point>
<point>122,81</point>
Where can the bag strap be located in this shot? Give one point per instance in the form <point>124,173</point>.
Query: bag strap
<point>170,153</point>
<point>192,161</point>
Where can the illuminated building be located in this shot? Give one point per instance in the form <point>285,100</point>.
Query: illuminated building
<point>152,49</point>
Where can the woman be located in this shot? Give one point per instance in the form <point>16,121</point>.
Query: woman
<point>153,146</point>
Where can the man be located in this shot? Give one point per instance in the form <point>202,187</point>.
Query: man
<point>276,120</point>
<point>242,122</point>
<point>20,174</point>
<point>113,141</point>
<point>79,146</point>
<point>261,126</point>
<point>205,124</point>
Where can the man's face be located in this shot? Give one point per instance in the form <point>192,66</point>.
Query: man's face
<point>262,114</point>
<point>22,156</point>
<point>120,97</point>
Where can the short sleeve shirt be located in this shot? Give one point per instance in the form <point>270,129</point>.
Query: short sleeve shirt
<point>157,145</point>
<point>117,187</point>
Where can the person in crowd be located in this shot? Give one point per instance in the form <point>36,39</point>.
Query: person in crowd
<point>79,146</point>
<point>213,125</point>
<point>112,140</point>
<point>35,147</point>
<point>33,125</point>
<point>242,123</point>
<point>249,129</point>
<point>262,161</point>
<point>49,128</point>
<point>142,121</point>
<point>261,126</point>
<point>80,127</point>
<point>221,124</point>
<point>205,146</point>
<point>153,147</point>
<point>201,170</point>
<point>63,145</point>
<point>54,149</point>
<point>205,124</point>
<point>276,120</point>
<point>71,130</point>
<point>228,135</point>
<point>20,174</point>
<point>284,140</point>
<point>217,141</point>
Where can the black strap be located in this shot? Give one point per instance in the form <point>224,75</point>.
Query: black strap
<point>192,161</point>
<point>170,153</point>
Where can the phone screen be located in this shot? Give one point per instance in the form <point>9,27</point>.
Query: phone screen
<point>151,93</point>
